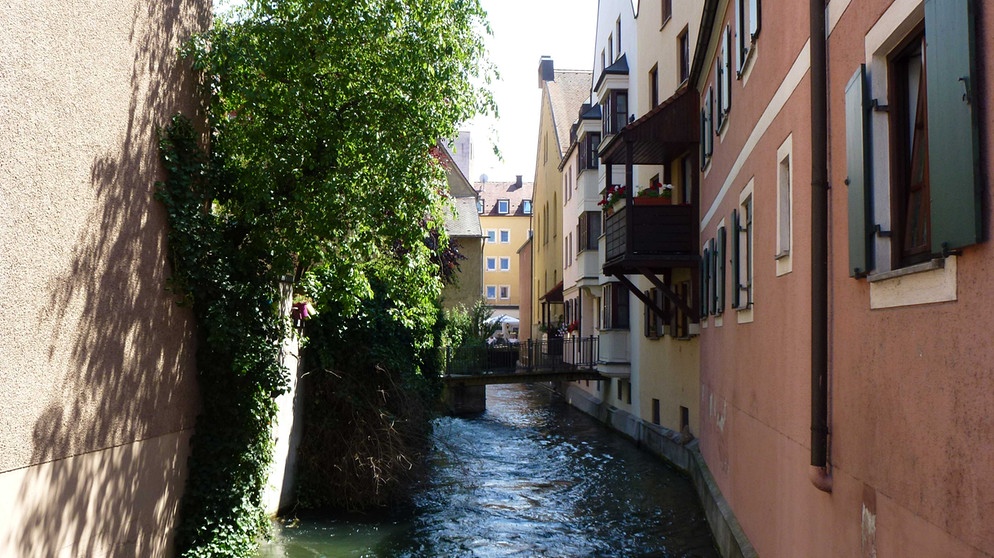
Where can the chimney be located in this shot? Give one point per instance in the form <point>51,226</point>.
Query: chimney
<point>546,71</point>
<point>517,182</point>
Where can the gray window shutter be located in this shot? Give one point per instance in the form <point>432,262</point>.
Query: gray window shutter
<point>726,76</point>
<point>736,257</point>
<point>739,38</point>
<point>953,146</point>
<point>720,259</point>
<point>703,140</point>
<point>719,82</point>
<point>705,283</point>
<point>712,279</point>
<point>858,168</point>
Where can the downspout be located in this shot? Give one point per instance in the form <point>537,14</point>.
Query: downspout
<point>820,475</point>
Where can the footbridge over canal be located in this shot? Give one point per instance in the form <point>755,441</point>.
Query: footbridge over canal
<point>470,369</point>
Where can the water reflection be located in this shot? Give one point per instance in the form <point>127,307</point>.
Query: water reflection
<point>530,477</point>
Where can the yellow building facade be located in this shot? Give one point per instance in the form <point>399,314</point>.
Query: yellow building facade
<point>505,210</point>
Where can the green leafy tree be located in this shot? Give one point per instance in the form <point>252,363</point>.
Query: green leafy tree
<point>322,122</point>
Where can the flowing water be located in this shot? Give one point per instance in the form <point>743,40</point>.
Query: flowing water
<point>530,477</point>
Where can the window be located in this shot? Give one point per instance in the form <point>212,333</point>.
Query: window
<point>526,207</point>
<point>667,10</point>
<point>742,250</point>
<point>588,151</point>
<point>610,48</point>
<point>615,313</point>
<point>505,292</point>
<point>603,65</point>
<point>617,27</point>
<point>588,230</point>
<point>479,205</point>
<point>491,235</point>
<point>503,207</point>
<point>655,411</point>
<point>686,176</point>
<point>505,264</point>
<point>654,85</point>
<point>707,128</point>
<point>505,236</point>
<point>723,78</point>
<point>747,18</point>
<point>934,186</point>
<point>491,292</point>
<point>718,288</point>
<point>491,264</point>
<point>614,111</point>
<point>621,388</point>
<point>784,197</point>
<point>655,325</point>
<point>683,54</point>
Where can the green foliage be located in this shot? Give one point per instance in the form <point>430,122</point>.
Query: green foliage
<point>322,117</point>
<point>470,326</point>
<point>369,391</point>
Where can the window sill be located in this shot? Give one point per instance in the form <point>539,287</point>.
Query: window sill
<point>925,283</point>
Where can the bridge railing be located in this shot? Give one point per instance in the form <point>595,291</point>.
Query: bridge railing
<point>471,360</point>
<point>568,353</point>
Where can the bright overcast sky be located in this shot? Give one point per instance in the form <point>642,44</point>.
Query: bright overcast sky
<point>524,31</point>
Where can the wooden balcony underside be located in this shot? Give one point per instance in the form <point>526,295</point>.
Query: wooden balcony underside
<point>662,237</point>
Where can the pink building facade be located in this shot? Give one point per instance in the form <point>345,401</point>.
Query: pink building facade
<point>887,448</point>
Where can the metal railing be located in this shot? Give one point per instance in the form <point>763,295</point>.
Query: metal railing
<point>569,353</point>
<point>556,354</point>
<point>480,359</point>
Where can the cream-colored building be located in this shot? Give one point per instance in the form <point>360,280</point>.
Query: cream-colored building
<point>647,344</point>
<point>563,92</point>
<point>98,370</point>
<point>505,210</point>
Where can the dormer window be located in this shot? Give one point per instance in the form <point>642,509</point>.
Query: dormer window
<point>479,205</point>
<point>526,207</point>
<point>503,207</point>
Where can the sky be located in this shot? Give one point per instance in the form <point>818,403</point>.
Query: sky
<point>524,31</point>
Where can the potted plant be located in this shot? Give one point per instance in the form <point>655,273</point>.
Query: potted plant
<point>613,195</point>
<point>656,194</point>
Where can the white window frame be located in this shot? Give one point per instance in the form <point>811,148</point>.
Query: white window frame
<point>505,292</point>
<point>746,274</point>
<point>491,291</point>
<point>526,207</point>
<point>504,237</point>
<point>785,206</point>
<point>491,264</point>
<point>503,207</point>
<point>492,236</point>
<point>505,263</point>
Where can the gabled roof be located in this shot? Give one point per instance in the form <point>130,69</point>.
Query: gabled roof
<point>569,90</point>
<point>463,221</point>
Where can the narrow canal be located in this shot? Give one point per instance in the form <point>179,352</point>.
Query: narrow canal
<point>530,477</point>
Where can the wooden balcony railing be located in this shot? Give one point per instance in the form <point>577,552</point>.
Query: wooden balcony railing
<point>663,236</point>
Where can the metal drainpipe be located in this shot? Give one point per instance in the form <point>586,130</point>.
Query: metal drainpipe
<point>820,475</point>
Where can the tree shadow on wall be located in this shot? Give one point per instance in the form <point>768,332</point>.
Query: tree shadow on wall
<point>109,451</point>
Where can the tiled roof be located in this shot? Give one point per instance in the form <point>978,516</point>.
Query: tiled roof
<point>567,93</point>
<point>490,192</point>
<point>463,221</point>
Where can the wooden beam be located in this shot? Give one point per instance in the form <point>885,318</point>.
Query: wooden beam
<point>668,293</point>
<point>641,296</point>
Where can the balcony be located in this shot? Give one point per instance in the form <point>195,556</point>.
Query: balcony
<point>661,237</point>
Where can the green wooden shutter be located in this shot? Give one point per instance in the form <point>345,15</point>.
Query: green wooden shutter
<point>726,76</point>
<point>712,279</point>
<point>739,39</point>
<point>736,257</point>
<point>953,146</point>
<point>720,257</point>
<point>705,283</point>
<point>858,168</point>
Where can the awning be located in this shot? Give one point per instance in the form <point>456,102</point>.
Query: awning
<point>555,294</point>
<point>661,135</point>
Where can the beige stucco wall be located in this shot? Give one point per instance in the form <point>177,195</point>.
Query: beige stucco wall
<point>547,248</point>
<point>96,359</point>
<point>469,281</point>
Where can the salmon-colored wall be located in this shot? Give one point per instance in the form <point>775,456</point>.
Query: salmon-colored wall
<point>912,443</point>
<point>911,386</point>
<point>97,360</point>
